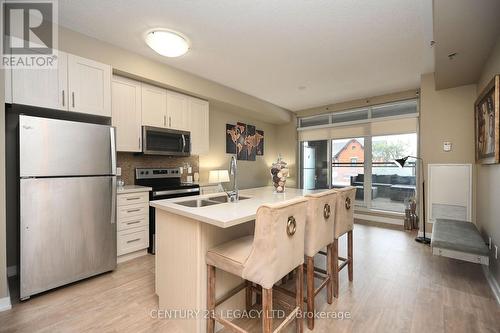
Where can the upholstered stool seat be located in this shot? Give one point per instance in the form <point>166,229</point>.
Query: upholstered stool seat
<point>231,256</point>
<point>275,249</point>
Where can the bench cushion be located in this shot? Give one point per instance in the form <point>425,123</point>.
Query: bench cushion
<point>459,236</point>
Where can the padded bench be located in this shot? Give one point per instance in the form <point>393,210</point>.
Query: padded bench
<point>459,240</point>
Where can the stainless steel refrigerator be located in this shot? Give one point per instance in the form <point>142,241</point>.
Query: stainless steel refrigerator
<point>67,202</point>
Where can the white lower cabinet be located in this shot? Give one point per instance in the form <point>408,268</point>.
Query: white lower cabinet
<point>132,225</point>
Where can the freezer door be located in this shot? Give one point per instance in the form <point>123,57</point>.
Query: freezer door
<point>68,230</point>
<point>51,147</point>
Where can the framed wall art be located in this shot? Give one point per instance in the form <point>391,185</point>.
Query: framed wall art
<point>487,123</point>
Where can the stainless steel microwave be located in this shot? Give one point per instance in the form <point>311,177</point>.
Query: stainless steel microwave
<point>162,141</point>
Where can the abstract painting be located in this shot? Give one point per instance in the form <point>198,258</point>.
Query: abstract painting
<point>487,127</point>
<point>245,141</point>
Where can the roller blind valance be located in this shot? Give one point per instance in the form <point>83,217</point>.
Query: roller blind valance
<point>374,128</point>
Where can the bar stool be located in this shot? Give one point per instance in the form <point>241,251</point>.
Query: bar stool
<point>276,249</point>
<point>319,234</point>
<point>344,223</point>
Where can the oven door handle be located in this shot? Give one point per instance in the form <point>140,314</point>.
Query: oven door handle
<point>182,191</point>
<point>183,143</point>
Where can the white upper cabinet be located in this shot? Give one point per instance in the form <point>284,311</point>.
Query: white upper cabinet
<point>177,111</point>
<point>47,88</point>
<point>126,113</point>
<point>89,86</point>
<point>76,84</point>
<point>154,106</point>
<point>199,126</point>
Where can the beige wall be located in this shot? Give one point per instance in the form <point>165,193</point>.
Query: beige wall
<point>250,173</point>
<point>446,115</point>
<point>488,177</point>
<point>286,143</point>
<point>3,263</point>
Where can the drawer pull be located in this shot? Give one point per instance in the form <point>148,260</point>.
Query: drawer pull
<point>133,222</point>
<point>133,240</point>
<point>134,198</point>
<point>133,210</point>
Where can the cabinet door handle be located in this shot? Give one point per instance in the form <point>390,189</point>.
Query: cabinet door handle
<point>73,98</point>
<point>169,121</point>
<point>139,143</point>
<point>133,210</point>
<point>134,198</point>
<point>63,102</point>
<point>133,240</point>
<point>133,222</point>
<point>164,120</point>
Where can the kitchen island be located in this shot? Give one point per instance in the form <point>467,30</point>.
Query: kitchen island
<point>185,229</point>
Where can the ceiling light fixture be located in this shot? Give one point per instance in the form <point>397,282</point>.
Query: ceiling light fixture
<point>168,43</point>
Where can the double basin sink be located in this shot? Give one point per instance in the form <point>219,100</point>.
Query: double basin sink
<point>207,201</point>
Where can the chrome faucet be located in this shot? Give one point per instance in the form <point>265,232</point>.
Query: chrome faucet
<point>233,171</point>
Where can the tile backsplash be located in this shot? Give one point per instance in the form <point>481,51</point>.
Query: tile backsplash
<point>129,161</point>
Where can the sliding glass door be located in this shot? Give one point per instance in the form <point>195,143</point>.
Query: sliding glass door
<point>363,162</point>
<point>393,186</point>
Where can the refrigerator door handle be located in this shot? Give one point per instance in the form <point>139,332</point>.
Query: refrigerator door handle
<point>113,200</point>
<point>113,149</point>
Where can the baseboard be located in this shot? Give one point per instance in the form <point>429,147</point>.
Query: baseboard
<point>130,256</point>
<point>492,282</point>
<point>5,303</point>
<point>379,219</point>
<point>11,271</point>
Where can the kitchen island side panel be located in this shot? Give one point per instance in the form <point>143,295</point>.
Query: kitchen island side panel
<point>181,272</point>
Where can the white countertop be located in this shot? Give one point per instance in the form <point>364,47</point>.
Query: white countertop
<point>132,189</point>
<point>226,215</point>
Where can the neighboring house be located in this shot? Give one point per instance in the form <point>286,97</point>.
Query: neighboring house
<point>352,152</point>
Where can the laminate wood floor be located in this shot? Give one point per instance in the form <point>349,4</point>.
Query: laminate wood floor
<point>398,287</point>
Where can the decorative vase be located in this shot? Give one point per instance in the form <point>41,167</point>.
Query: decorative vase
<point>279,173</point>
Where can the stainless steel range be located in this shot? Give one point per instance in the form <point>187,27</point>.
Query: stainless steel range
<point>166,184</point>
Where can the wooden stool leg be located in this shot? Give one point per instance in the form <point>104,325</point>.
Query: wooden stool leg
<point>248,295</point>
<point>299,298</point>
<point>335,259</point>
<point>258,296</point>
<point>310,292</point>
<point>210,298</point>
<point>329,269</point>
<point>349,255</point>
<point>267,306</point>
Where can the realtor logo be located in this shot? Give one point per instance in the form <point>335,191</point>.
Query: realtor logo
<point>29,34</point>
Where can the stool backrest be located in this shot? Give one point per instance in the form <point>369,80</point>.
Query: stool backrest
<point>278,245</point>
<point>321,209</point>
<point>344,213</point>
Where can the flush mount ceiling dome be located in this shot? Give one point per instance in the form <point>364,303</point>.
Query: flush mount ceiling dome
<point>166,42</point>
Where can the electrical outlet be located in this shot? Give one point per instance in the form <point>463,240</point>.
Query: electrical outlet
<point>489,242</point>
<point>496,252</point>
